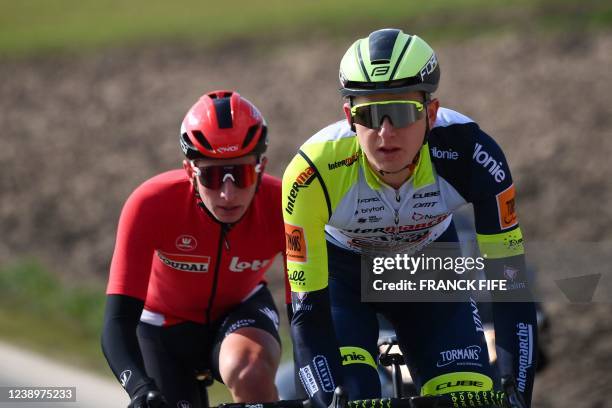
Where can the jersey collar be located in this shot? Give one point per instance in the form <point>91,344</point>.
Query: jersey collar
<point>422,176</point>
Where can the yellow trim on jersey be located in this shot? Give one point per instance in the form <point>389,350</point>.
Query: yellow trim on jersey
<point>423,172</point>
<point>356,355</point>
<point>502,245</point>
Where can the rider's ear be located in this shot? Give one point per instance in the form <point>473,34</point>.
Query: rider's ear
<point>189,170</point>
<point>262,163</point>
<point>432,110</point>
<point>347,112</point>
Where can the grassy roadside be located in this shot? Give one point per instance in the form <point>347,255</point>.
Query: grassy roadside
<point>38,26</point>
<point>39,312</point>
<point>62,322</point>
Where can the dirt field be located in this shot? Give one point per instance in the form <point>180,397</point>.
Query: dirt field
<point>79,133</point>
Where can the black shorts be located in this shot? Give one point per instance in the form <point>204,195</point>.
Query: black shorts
<point>173,355</point>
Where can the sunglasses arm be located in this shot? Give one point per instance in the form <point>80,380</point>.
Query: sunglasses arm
<point>349,116</point>
<point>261,164</point>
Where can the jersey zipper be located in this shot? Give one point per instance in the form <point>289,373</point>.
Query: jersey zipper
<point>213,292</point>
<point>396,233</point>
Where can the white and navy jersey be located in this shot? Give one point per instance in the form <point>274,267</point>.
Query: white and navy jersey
<point>331,193</point>
<point>332,197</point>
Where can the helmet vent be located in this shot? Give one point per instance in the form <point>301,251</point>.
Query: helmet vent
<point>381,44</point>
<point>214,95</point>
<point>250,135</point>
<point>223,110</point>
<point>200,138</point>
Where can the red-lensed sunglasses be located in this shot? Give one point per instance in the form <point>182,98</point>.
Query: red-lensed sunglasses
<point>213,177</point>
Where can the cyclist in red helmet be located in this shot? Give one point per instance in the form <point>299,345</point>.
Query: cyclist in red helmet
<point>186,298</point>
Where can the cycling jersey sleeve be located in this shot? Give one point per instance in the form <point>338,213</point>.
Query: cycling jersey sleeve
<point>500,239</point>
<point>137,233</point>
<point>306,210</point>
<point>127,290</point>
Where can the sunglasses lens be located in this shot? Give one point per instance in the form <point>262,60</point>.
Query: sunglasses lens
<point>401,114</point>
<point>213,177</point>
<point>363,116</point>
<point>245,175</point>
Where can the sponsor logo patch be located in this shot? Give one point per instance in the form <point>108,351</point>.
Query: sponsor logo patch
<point>378,71</point>
<point>416,216</point>
<point>349,161</point>
<point>296,243</point>
<point>324,373</point>
<point>297,278</point>
<point>461,356</point>
<point>303,180</point>
<point>510,273</point>
<point>493,166</point>
<point>444,154</point>
<point>226,149</point>
<point>524,336</point>
<point>124,377</point>
<point>308,381</point>
<point>368,200</point>
<point>373,209</point>
<point>429,67</point>
<point>426,194</point>
<point>371,218</point>
<point>236,265</point>
<point>425,205</point>
<point>476,316</point>
<point>186,243</point>
<point>506,209</point>
<point>186,263</point>
<point>239,324</point>
<point>299,301</point>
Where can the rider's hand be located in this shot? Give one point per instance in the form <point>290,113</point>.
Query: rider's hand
<point>149,399</point>
<point>340,398</point>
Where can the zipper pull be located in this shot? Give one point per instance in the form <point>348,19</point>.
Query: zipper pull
<point>396,217</point>
<point>397,196</point>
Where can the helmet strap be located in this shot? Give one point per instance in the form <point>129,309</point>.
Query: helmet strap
<point>410,166</point>
<point>349,118</point>
<point>427,128</point>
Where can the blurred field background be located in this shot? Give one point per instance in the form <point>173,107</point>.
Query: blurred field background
<point>92,94</point>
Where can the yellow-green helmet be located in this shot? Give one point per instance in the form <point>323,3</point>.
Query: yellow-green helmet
<point>389,61</point>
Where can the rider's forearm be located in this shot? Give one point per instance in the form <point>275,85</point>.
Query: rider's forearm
<point>119,342</point>
<point>318,361</point>
<point>514,317</point>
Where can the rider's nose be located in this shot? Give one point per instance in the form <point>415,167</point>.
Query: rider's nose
<point>386,128</point>
<point>228,190</point>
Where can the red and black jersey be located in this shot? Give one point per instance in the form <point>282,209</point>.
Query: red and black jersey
<point>172,254</point>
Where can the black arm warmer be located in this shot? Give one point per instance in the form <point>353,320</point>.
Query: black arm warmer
<point>514,317</point>
<point>119,342</point>
<point>313,335</point>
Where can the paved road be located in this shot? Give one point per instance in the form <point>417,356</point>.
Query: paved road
<point>23,368</point>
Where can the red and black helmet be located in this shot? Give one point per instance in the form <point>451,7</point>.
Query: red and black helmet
<point>223,125</point>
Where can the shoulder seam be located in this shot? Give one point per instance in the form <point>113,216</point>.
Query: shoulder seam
<point>318,175</point>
